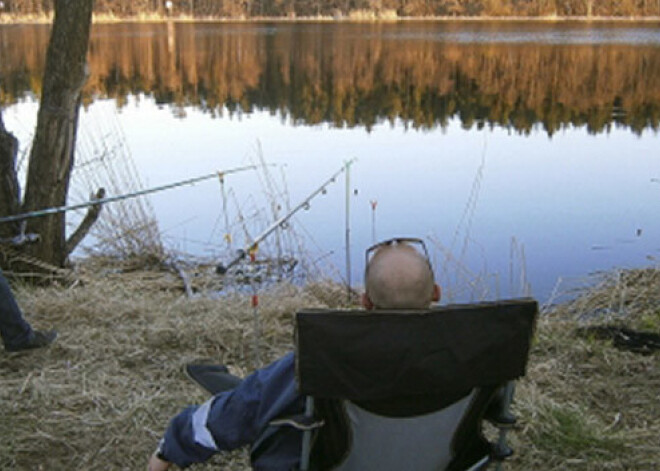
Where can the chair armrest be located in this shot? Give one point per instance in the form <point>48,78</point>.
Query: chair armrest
<point>298,421</point>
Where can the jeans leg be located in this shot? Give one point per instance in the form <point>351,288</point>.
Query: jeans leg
<point>13,327</point>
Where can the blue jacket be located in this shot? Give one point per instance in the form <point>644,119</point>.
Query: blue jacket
<point>241,417</point>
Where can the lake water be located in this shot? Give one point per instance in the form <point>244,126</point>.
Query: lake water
<point>525,154</point>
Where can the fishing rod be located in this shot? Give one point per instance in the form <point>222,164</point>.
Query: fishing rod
<point>221,269</point>
<point>110,199</point>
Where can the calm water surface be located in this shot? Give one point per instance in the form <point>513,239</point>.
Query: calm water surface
<point>524,154</point>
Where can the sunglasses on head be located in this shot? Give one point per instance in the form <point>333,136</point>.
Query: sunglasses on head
<point>417,244</point>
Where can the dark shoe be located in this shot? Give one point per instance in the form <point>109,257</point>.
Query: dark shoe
<point>38,340</point>
<point>213,378</point>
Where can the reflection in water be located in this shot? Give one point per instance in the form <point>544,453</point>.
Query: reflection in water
<point>359,75</point>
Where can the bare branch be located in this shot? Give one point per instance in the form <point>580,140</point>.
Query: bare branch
<point>86,224</point>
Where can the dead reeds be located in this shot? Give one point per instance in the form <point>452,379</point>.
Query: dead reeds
<point>127,228</point>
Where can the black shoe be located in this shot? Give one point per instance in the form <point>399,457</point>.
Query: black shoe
<point>38,340</point>
<point>213,378</point>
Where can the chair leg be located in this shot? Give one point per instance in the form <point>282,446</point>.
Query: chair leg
<point>307,436</point>
<point>507,420</point>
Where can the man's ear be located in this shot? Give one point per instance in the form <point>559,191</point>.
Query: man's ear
<point>366,302</point>
<point>436,293</point>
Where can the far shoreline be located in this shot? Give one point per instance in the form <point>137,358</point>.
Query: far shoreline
<point>5,19</point>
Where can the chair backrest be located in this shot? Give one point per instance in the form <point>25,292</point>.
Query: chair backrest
<point>400,383</point>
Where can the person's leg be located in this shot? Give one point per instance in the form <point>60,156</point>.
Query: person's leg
<point>14,329</point>
<point>16,333</point>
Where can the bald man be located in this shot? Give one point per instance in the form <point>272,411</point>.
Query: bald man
<point>397,276</point>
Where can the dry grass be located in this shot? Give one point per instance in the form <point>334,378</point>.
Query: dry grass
<point>101,396</point>
<point>585,405</point>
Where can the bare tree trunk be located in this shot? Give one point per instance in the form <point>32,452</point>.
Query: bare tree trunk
<point>51,159</point>
<point>9,189</point>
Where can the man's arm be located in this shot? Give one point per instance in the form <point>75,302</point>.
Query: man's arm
<point>231,419</point>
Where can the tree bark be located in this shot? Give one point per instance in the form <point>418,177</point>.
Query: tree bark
<point>9,189</point>
<point>51,159</point>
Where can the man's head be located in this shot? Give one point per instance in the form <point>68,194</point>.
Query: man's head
<point>397,276</point>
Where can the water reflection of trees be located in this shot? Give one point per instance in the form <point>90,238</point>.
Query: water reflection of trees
<point>319,74</point>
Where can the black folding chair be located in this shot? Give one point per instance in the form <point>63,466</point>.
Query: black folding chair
<point>395,390</point>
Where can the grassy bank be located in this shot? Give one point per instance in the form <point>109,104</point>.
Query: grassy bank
<point>100,397</point>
